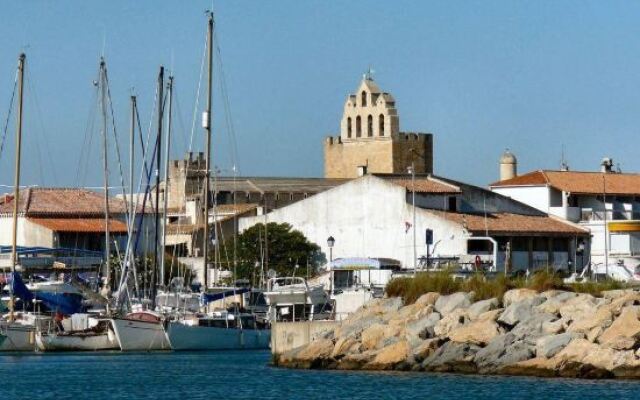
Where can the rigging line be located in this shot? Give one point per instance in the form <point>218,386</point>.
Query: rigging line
<point>115,141</point>
<point>36,142</point>
<point>180,123</point>
<point>6,123</point>
<point>197,102</point>
<point>45,139</point>
<point>227,106</point>
<point>85,150</point>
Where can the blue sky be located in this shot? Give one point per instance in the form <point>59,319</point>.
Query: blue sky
<point>480,75</point>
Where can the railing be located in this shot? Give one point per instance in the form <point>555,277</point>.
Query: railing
<point>611,215</point>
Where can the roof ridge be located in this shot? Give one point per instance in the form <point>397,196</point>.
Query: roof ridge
<point>27,203</point>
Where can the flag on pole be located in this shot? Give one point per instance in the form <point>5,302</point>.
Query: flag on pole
<point>407,226</point>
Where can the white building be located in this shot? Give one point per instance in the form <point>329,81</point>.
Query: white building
<point>606,203</point>
<point>372,217</point>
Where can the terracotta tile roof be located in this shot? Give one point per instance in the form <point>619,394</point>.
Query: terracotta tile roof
<point>423,183</point>
<point>59,202</point>
<point>579,182</point>
<point>237,209</point>
<point>513,224</point>
<point>84,225</point>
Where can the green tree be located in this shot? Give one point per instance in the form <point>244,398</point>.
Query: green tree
<point>286,247</point>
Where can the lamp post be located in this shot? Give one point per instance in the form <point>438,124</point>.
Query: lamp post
<point>412,170</point>
<point>330,242</point>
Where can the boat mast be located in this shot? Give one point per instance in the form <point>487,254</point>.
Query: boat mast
<point>156,237</point>
<point>166,181</point>
<point>132,212</point>
<point>105,166</point>
<point>16,188</point>
<point>206,124</point>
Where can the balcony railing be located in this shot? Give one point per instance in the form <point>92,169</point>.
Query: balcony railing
<point>611,215</point>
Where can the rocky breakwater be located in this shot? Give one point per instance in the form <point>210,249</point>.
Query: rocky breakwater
<point>554,333</point>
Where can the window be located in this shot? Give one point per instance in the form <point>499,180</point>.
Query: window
<point>364,98</point>
<point>358,126</point>
<point>381,125</point>
<point>349,127</point>
<point>452,204</point>
<point>369,126</point>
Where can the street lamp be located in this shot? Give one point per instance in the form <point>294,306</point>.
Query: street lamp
<point>330,242</point>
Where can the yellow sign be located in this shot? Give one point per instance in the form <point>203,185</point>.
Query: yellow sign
<point>624,226</point>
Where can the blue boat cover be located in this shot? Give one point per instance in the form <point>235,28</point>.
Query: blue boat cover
<point>20,289</point>
<point>209,297</point>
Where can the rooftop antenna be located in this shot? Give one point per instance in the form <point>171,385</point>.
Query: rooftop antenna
<point>564,166</point>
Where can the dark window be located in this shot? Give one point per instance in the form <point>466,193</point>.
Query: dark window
<point>369,126</point>
<point>358,126</point>
<point>349,127</point>
<point>381,125</point>
<point>452,204</point>
<point>364,98</point>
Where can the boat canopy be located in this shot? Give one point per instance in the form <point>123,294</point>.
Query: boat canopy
<point>356,263</point>
<point>209,297</point>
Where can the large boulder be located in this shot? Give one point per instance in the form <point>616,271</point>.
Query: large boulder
<point>532,325</point>
<point>479,333</point>
<point>516,312</point>
<point>447,304</point>
<point>425,348</point>
<point>488,356</point>
<point>390,356</point>
<point>354,327</point>
<point>549,346</point>
<point>374,336</point>
<point>577,307</point>
<point>584,352</point>
<point>452,357</point>
<point>454,319</point>
<point>624,332</point>
<point>518,295</point>
<point>345,346</point>
<point>585,323</point>
<point>555,300</point>
<point>482,306</point>
<point>423,327</point>
<point>428,299</point>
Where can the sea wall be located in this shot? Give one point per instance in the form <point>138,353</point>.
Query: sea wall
<point>286,336</point>
<point>555,333</point>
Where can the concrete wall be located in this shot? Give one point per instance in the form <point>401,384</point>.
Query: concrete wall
<point>29,234</point>
<point>286,336</point>
<point>534,196</point>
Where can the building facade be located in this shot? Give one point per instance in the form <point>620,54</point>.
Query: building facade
<point>606,203</point>
<point>372,217</point>
<point>370,138</point>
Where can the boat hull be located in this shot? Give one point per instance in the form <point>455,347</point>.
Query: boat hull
<point>18,338</point>
<point>185,337</point>
<point>96,342</point>
<point>136,335</point>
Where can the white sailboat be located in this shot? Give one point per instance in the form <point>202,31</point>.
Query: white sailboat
<point>141,331</point>
<point>98,336</point>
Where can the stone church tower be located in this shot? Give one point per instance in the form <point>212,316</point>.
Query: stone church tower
<point>370,138</point>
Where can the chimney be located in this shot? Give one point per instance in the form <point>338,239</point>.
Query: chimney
<point>362,170</point>
<point>606,166</point>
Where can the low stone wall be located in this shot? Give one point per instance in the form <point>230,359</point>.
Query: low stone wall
<point>555,333</point>
<point>286,336</point>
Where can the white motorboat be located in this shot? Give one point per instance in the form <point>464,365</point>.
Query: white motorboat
<point>99,335</point>
<point>21,332</point>
<point>141,331</point>
<point>219,330</point>
<point>293,299</point>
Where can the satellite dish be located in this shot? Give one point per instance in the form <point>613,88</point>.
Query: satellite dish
<point>271,273</point>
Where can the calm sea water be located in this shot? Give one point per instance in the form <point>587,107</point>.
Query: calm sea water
<point>247,375</point>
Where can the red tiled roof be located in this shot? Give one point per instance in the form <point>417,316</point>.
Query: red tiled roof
<point>84,225</point>
<point>513,224</point>
<point>423,184</point>
<point>579,182</point>
<point>59,202</point>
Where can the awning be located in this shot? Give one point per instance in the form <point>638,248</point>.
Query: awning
<point>80,225</point>
<point>351,264</point>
